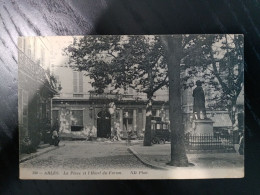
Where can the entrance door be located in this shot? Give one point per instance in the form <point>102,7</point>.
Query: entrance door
<point>103,124</point>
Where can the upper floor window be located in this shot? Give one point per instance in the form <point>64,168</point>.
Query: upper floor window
<point>77,82</point>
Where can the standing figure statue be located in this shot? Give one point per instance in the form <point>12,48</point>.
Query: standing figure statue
<point>199,101</point>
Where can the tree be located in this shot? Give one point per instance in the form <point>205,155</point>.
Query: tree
<point>198,53</point>
<point>230,73</point>
<point>121,62</point>
<point>174,55</point>
<point>220,60</point>
<point>142,62</point>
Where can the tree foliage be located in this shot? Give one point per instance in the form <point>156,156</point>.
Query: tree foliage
<point>220,63</point>
<point>142,63</point>
<point>122,62</point>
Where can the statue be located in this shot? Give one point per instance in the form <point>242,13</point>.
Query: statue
<point>199,101</point>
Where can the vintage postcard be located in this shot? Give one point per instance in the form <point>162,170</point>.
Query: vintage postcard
<point>131,107</point>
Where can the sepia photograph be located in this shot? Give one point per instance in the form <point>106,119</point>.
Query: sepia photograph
<point>131,106</point>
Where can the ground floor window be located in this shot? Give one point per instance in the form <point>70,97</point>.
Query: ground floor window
<point>76,120</point>
<point>154,112</point>
<point>128,120</point>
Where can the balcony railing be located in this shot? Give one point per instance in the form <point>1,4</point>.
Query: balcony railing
<point>94,95</point>
<point>30,67</point>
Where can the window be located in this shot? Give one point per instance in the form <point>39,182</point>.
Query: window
<point>77,82</point>
<point>128,120</point>
<point>76,120</point>
<point>128,113</point>
<point>80,82</point>
<point>154,112</point>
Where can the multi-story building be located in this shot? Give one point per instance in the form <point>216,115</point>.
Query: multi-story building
<point>78,109</point>
<point>36,87</point>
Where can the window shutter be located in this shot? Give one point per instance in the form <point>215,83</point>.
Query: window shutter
<point>80,82</point>
<point>75,81</point>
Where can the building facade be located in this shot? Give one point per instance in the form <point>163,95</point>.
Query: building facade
<point>78,110</point>
<point>36,87</point>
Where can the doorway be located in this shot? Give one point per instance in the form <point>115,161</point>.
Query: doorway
<point>103,124</point>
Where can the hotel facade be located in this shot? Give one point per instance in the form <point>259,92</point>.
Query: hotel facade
<point>79,111</point>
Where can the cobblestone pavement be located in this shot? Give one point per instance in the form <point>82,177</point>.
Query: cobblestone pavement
<point>86,155</point>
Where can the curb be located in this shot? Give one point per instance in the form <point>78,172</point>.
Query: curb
<point>144,161</point>
<point>31,156</point>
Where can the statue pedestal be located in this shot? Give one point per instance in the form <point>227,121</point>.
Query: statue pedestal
<point>203,126</point>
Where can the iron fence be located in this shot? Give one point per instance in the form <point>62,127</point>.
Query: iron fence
<point>209,142</point>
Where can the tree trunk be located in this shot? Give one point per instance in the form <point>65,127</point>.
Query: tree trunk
<point>178,152</point>
<point>233,115</point>
<point>148,125</point>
